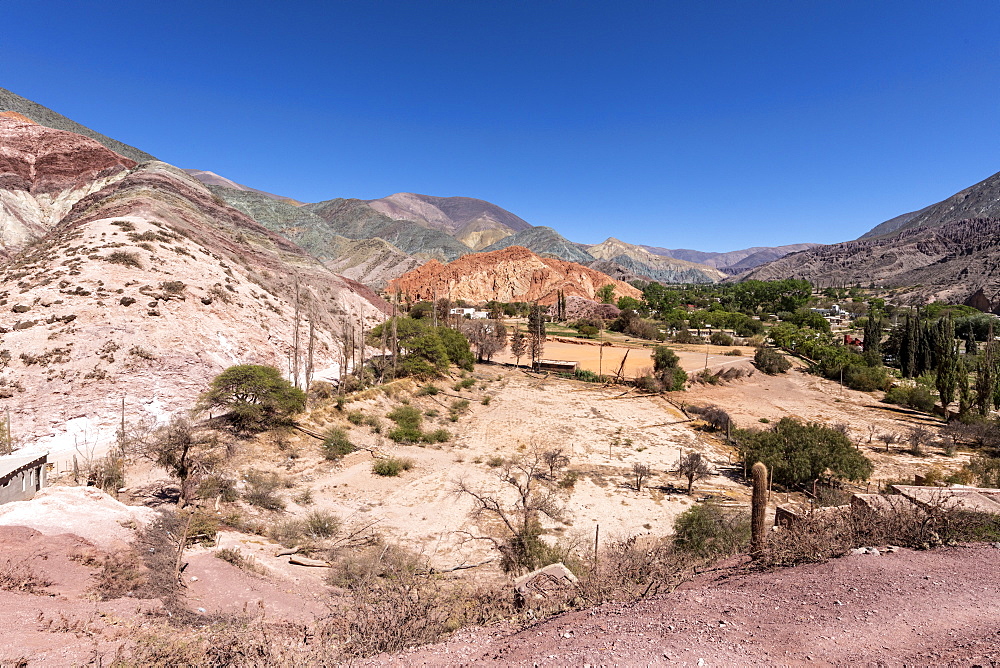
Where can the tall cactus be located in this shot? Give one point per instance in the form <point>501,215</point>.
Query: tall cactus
<point>758,508</point>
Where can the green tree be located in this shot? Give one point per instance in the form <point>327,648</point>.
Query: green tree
<point>518,346</point>
<point>256,397</point>
<point>666,366</point>
<point>798,453</point>
<point>606,294</point>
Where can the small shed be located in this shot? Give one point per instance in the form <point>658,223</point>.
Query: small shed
<point>21,475</point>
<point>558,366</point>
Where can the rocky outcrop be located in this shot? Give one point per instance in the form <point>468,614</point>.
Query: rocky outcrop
<point>213,179</point>
<point>355,219</point>
<point>11,102</point>
<point>662,269</point>
<point>507,275</point>
<point>43,173</point>
<point>950,262</point>
<point>981,200</point>
<point>545,241</point>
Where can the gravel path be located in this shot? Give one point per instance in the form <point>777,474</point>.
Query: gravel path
<point>908,608</point>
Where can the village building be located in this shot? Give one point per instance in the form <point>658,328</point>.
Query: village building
<point>21,475</point>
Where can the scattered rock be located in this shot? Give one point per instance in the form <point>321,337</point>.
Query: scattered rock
<point>544,582</point>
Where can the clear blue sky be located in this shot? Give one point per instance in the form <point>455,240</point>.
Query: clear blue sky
<point>707,125</point>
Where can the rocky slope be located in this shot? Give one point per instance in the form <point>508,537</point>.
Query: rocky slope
<point>355,219</point>
<point>981,200</point>
<point>950,262</point>
<point>373,262</point>
<point>732,262</point>
<point>474,222</point>
<point>213,179</point>
<point>545,241</point>
<point>144,290</point>
<point>44,116</point>
<point>43,173</point>
<point>510,274</point>
<point>638,260</point>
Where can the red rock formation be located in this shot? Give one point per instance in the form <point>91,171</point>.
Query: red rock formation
<point>507,275</point>
<point>43,172</point>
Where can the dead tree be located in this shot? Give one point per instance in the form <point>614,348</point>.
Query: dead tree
<point>693,467</point>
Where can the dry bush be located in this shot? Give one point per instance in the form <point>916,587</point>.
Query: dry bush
<point>120,574</point>
<point>396,602</point>
<point>20,577</point>
<point>243,562</point>
<point>630,569</point>
<point>716,417</point>
<point>826,535</point>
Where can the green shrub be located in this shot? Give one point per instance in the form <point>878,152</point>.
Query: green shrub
<point>912,396</point>
<point>261,490</point>
<point>321,524</point>
<point>867,378</point>
<point>391,466</point>
<point>406,416</point>
<point>438,436</point>
<point>586,376</point>
<point>486,400</point>
<point>735,352</point>
<point>336,444</point>
<point>374,423</point>
<point>708,530</point>
<point>464,384</point>
<point>495,461</point>
<point>569,479</point>
<point>356,418</point>
<point>405,435</point>
<point>428,389</point>
<point>458,407</point>
<point>720,339</point>
<point>770,361</point>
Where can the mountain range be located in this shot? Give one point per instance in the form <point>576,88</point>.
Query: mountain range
<point>376,241</point>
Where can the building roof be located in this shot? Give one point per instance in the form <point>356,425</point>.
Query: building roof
<point>13,463</point>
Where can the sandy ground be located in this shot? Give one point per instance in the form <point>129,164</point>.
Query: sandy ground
<point>603,431</point>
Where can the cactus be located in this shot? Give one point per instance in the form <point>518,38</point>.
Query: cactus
<point>758,507</point>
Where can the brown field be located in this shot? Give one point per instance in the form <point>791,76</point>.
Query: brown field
<point>607,359</point>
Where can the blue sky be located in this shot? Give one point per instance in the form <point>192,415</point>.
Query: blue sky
<point>706,125</point>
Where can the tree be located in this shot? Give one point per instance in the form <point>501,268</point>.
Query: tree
<point>797,453</point>
<point>693,467</point>
<point>554,460</point>
<point>606,294</point>
<point>518,346</point>
<point>421,349</point>
<point>666,366</point>
<point>536,333</point>
<point>770,361</point>
<point>520,544</point>
<point>256,397</point>
<point>488,337</point>
<point>186,450</point>
<point>707,529</point>
<point>640,472</point>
